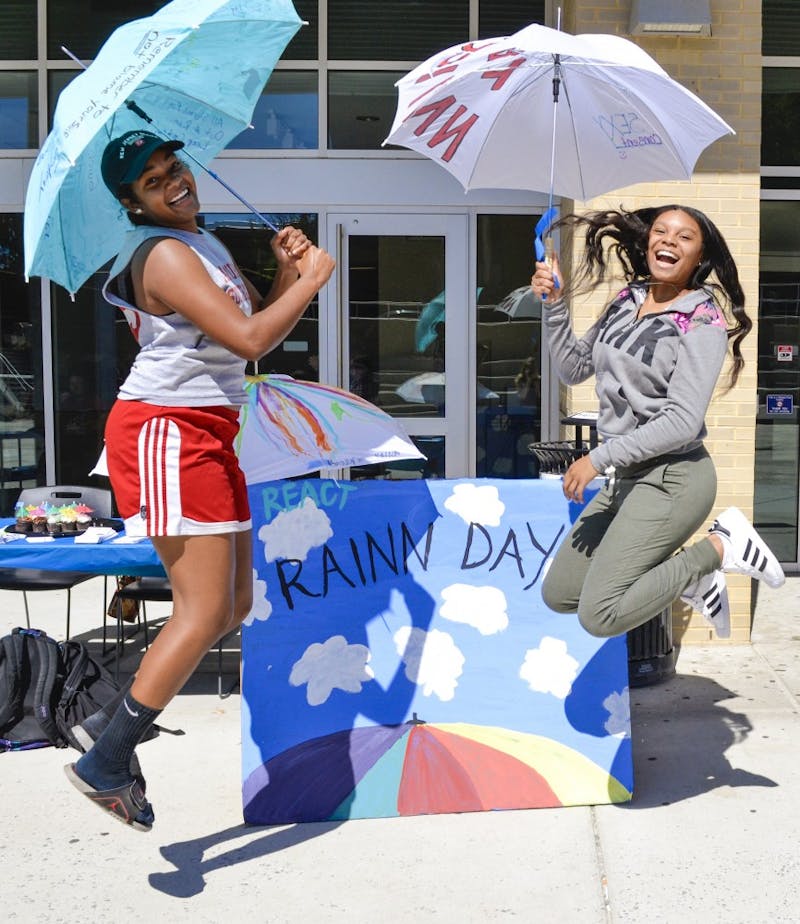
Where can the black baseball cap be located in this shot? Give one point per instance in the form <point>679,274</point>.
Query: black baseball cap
<point>125,157</point>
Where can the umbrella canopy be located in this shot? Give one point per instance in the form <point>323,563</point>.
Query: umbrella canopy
<point>195,69</point>
<point>485,111</point>
<point>292,427</point>
<point>428,388</point>
<point>416,768</point>
<point>520,303</point>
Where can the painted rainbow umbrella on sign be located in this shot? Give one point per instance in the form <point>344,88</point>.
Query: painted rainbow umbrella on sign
<point>417,769</point>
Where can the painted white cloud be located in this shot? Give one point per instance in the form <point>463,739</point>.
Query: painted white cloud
<point>483,608</point>
<point>262,608</point>
<point>476,504</point>
<point>618,707</point>
<point>293,533</point>
<point>549,668</point>
<point>432,660</point>
<point>333,664</point>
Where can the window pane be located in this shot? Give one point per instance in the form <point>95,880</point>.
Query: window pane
<point>19,110</point>
<point>56,81</point>
<point>781,27</point>
<point>508,17</point>
<point>777,431</point>
<point>304,45</point>
<point>84,25</point>
<point>394,30</point>
<point>361,108</point>
<point>286,115</point>
<point>780,117</point>
<point>248,241</point>
<point>396,322</point>
<point>21,408</point>
<point>92,351</point>
<point>508,348</point>
<point>18,30</point>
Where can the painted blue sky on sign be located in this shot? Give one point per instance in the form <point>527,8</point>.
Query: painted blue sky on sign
<point>379,601</point>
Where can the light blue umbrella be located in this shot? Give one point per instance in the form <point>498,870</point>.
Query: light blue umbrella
<point>193,71</point>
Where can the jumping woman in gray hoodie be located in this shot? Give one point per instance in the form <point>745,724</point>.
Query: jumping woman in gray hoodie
<point>656,353</point>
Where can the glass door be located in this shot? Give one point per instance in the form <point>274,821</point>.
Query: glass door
<point>397,333</point>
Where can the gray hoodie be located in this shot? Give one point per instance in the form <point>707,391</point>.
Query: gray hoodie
<point>654,377</point>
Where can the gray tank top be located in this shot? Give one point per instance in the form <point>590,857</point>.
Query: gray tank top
<point>177,364</point>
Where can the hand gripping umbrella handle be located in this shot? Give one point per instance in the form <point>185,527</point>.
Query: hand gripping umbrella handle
<point>543,243</point>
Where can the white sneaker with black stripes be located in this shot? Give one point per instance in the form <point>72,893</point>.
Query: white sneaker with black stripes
<point>709,596</point>
<point>745,552</point>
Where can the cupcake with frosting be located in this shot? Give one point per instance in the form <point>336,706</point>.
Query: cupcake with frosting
<point>69,519</point>
<point>38,515</point>
<point>24,522</point>
<point>54,523</point>
<point>84,516</point>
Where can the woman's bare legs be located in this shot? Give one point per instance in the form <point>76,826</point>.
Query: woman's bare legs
<point>211,579</point>
<point>212,588</point>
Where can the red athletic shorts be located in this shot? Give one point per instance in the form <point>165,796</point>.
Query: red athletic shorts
<point>174,471</point>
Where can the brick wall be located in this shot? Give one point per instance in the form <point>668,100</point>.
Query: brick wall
<point>725,71</point>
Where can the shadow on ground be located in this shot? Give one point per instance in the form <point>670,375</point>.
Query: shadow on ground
<point>682,729</point>
<point>191,868</point>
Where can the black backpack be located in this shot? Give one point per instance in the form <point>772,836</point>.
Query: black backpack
<point>46,689</point>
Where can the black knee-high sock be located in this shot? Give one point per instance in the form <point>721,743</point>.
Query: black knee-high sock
<point>107,764</point>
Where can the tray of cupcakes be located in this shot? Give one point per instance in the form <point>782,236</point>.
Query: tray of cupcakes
<point>60,522</point>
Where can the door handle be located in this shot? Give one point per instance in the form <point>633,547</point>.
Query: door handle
<point>340,308</point>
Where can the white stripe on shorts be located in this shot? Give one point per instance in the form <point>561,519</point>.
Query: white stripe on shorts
<point>159,476</point>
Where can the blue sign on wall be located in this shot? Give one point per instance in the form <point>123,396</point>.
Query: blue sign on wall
<point>399,658</point>
<point>779,405</point>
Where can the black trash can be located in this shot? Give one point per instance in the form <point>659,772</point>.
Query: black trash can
<point>651,653</point>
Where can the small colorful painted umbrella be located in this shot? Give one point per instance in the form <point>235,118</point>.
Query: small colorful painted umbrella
<point>293,427</point>
<point>416,768</point>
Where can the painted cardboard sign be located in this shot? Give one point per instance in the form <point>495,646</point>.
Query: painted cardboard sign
<point>399,659</point>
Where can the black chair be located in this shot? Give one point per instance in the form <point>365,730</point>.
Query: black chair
<point>29,580</point>
<point>159,590</point>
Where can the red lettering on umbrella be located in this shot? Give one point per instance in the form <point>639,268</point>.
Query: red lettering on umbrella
<point>449,129</point>
<point>433,111</point>
<point>457,132</point>
<point>466,50</point>
<point>501,76</point>
<point>446,67</point>
<point>437,73</point>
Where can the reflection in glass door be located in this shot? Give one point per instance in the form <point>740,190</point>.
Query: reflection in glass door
<point>400,331</point>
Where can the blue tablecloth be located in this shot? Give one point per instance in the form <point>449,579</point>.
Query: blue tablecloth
<point>107,557</point>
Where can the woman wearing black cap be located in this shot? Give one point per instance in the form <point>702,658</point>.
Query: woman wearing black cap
<point>169,436</point>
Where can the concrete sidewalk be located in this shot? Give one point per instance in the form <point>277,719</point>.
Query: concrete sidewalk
<point>709,837</point>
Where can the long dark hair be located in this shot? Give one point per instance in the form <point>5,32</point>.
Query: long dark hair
<point>625,235</point>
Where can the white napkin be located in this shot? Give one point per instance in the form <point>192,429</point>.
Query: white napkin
<point>10,537</point>
<point>128,540</point>
<point>95,534</point>
<point>39,539</point>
